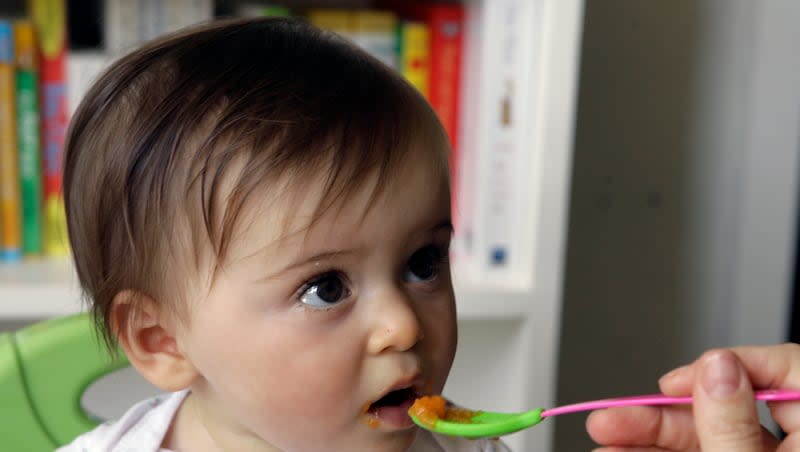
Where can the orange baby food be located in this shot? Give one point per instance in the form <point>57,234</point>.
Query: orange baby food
<point>460,415</point>
<point>371,421</point>
<point>429,409</point>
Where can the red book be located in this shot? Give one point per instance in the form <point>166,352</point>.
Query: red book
<point>446,24</point>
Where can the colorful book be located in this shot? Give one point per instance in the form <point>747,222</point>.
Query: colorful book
<point>30,164</point>
<point>10,216</point>
<point>376,32</point>
<point>128,23</point>
<point>372,30</point>
<point>446,23</point>
<point>413,54</point>
<point>50,21</point>
<point>339,21</point>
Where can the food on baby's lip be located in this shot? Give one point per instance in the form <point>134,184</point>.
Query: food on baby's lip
<point>391,409</point>
<point>371,420</point>
<point>429,409</point>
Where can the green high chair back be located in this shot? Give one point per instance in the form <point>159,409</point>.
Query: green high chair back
<point>44,370</point>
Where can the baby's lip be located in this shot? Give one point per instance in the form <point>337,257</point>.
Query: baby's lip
<point>413,381</point>
<point>389,410</point>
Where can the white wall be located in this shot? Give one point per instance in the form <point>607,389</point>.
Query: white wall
<point>684,188</point>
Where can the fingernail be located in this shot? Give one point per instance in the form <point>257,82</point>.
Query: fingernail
<point>721,376</point>
<point>673,373</point>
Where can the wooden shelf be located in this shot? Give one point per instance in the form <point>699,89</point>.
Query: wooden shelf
<point>49,288</point>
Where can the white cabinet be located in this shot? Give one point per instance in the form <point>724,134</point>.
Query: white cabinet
<point>507,356</point>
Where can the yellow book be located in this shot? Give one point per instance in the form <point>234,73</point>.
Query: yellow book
<point>414,54</point>
<point>10,209</point>
<point>376,32</point>
<point>336,20</point>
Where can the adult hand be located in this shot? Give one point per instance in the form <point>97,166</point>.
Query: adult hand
<point>723,415</point>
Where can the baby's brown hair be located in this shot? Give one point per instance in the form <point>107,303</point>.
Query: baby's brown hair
<point>246,101</point>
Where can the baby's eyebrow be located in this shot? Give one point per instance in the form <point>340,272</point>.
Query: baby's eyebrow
<point>446,225</point>
<point>326,255</point>
<point>304,261</point>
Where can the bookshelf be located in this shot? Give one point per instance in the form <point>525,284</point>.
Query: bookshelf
<point>509,320</point>
<point>49,288</point>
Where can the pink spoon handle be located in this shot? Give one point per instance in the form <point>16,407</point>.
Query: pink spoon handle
<point>770,395</point>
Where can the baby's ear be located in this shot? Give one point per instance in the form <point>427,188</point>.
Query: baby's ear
<point>146,332</point>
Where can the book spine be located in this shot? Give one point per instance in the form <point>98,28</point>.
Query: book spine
<point>414,54</point>
<point>49,18</point>
<point>339,21</point>
<point>122,20</point>
<point>30,165</point>
<point>10,234</point>
<point>375,32</point>
<point>505,162</point>
<point>446,23</point>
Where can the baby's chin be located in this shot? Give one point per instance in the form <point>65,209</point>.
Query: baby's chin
<point>400,441</point>
<point>382,440</point>
<point>356,437</point>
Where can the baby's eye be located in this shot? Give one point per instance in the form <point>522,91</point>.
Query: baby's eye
<point>324,291</point>
<point>425,264</point>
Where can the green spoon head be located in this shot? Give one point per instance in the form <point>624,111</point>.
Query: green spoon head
<point>485,424</point>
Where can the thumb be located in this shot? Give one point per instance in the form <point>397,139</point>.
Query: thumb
<point>724,407</point>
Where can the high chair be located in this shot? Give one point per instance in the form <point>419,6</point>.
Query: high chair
<point>44,370</point>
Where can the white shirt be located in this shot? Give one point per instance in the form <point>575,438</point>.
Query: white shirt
<point>143,427</point>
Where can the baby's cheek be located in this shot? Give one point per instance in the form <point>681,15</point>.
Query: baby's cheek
<point>439,342</point>
<point>309,385</point>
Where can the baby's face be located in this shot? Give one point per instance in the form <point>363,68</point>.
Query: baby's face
<point>321,340</point>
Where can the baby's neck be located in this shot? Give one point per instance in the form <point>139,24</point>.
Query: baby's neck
<point>190,431</point>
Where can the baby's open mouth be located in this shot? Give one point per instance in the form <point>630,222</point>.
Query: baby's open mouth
<point>392,408</point>
<point>393,398</point>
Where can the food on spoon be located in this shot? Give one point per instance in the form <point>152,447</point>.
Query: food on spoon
<point>429,409</point>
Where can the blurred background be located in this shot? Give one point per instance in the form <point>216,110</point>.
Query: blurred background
<point>682,192</point>
<point>682,219</point>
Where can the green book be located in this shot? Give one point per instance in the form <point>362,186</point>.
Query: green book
<point>29,157</point>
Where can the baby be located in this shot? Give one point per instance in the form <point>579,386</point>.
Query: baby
<point>260,217</point>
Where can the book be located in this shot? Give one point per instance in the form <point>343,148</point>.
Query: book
<point>339,21</point>
<point>30,164</point>
<point>413,54</point>
<point>10,217</point>
<point>121,20</point>
<point>375,32</point>
<point>446,23</point>
<point>372,30</point>
<point>128,23</point>
<point>50,22</point>
<point>503,217</point>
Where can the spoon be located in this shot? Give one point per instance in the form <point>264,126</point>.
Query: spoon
<point>487,424</point>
